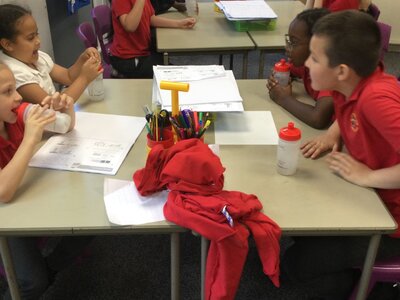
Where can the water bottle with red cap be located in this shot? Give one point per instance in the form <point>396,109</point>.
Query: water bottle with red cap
<point>288,149</point>
<point>282,72</point>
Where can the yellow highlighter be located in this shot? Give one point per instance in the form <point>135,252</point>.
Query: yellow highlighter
<point>174,87</point>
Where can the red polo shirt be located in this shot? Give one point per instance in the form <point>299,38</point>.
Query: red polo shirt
<point>337,5</point>
<point>369,124</point>
<point>130,44</point>
<point>303,73</point>
<point>15,135</point>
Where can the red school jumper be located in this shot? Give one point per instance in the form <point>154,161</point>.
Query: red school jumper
<point>369,124</point>
<point>338,5</point>
<point>15,135</point>
<point>194,176</point>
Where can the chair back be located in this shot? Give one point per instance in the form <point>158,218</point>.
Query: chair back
<point>386,30</point>
<point>86,34</point>
<point>374,11</point>
<point>101,15</point>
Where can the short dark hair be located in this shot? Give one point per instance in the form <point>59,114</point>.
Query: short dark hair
<point>311,16</point>
<point>9,16</point>
<point>354,39</point>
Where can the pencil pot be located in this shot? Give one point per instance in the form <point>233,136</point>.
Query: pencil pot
<point>166,140</point>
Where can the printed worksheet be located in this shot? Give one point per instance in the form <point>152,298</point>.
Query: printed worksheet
<point>98,144</point>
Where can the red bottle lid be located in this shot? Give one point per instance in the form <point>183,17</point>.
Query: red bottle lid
<point>282,66</point>
<point>290,133</point>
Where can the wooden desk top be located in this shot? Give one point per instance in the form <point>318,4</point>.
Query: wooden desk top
<point>212,32</point>
<point>313,201</point>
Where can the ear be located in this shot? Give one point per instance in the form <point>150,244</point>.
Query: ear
<point>343,72</point>
<point>6,44</point>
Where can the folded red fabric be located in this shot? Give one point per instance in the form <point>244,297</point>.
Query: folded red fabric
<point>194,176</point>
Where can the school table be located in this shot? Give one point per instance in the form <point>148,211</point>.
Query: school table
<point>312,202</point>
<point>275,40</point>
<point>389,15</point>
<point>212,34</point>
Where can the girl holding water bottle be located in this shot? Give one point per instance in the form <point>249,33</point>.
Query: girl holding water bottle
<point>33,69</point>
<point>297,49</point>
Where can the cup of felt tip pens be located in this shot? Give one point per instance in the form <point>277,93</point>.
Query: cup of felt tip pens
<point>190,124</point>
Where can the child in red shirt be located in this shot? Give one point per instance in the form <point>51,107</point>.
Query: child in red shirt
<point>297,43</point>
<point>132,53</point>
<point>337,5</point>
<point>344,57</point>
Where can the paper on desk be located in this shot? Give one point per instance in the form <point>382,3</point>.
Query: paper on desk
<point>245,128</point>
<point>99,143</point>
<point>125,206</point>
<point>247,10</point>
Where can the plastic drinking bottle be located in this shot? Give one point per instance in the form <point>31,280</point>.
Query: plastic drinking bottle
<point>96,88</point>
<point>192,8</point>
<point>282,72</point>
<point>60,125</point>
<point>288,149</point>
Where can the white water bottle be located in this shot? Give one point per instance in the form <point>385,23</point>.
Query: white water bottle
<point>282,72</point>
<point>288,149</point>
<point>96,88</point>
<point>60,125</point>
<point>192,8</point>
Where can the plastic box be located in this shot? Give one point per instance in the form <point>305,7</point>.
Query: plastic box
<point>254,25</point>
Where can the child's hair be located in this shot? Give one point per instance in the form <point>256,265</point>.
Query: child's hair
<point>353,38</point>
<point>9,16</point>
<point>311,16</point>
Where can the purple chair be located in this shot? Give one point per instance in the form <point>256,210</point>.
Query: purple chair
<point>374,11</point>
<point>86,34</point>
<point>101,15</point>
<point>385,37</point>
<point>384,271</point>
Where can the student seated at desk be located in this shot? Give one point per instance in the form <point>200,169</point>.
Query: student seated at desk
<point>297,49</point>
<point>161,6</point>
<point>337,5</point>
<point>344,58</point>
<point>19,135</point>
<point>33,69</point>
<point>132,51</point>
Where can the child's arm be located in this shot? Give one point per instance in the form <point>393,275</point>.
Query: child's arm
<point>90,69</point>
<point>358,173</point>
<point>11,175</point>
<point>131,21</point>
<point>62,103</point>
<point>318,116</point>
<point>157,21</point>
<point>330,140</point>
<point>309,4</point>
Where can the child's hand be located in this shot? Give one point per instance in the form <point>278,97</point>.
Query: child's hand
<point>276,91</point>
<point>91,52</point>
<point>58,101</point>
<point>91,69</point>
<point>186,23</point>
<point>319,145</point>
<point>35,122</point>
<point>348,168</point>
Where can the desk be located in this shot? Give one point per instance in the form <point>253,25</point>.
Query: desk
<point>275,40</point>
<point>212,34</point>
<point>313,201</point>
<point>51,202</point>
<point>389,10</point>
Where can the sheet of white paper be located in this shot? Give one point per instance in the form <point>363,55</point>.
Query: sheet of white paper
<point>125,206</point>
<point>190,73</point>
<point>98,144</point>
<point>245,128</point>
<point>220,89</point>
<point>211,107</point>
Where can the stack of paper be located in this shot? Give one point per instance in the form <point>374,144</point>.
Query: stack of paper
<point>211,88</point>
<point>246,10</point>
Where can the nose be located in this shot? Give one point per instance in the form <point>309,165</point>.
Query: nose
<point>307,62</point>
<point>17,96</point>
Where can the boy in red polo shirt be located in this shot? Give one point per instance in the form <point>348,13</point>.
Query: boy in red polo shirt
<point>338,5</point>
<point>344,58</point>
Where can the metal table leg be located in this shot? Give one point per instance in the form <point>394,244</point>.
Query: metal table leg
<point>204,250</point>
<point>175,266</point>
<point>367,268</point>
<point>9,268</point>
<point>165,58</point>
<point>261,65</point>
<point>245,60</point>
